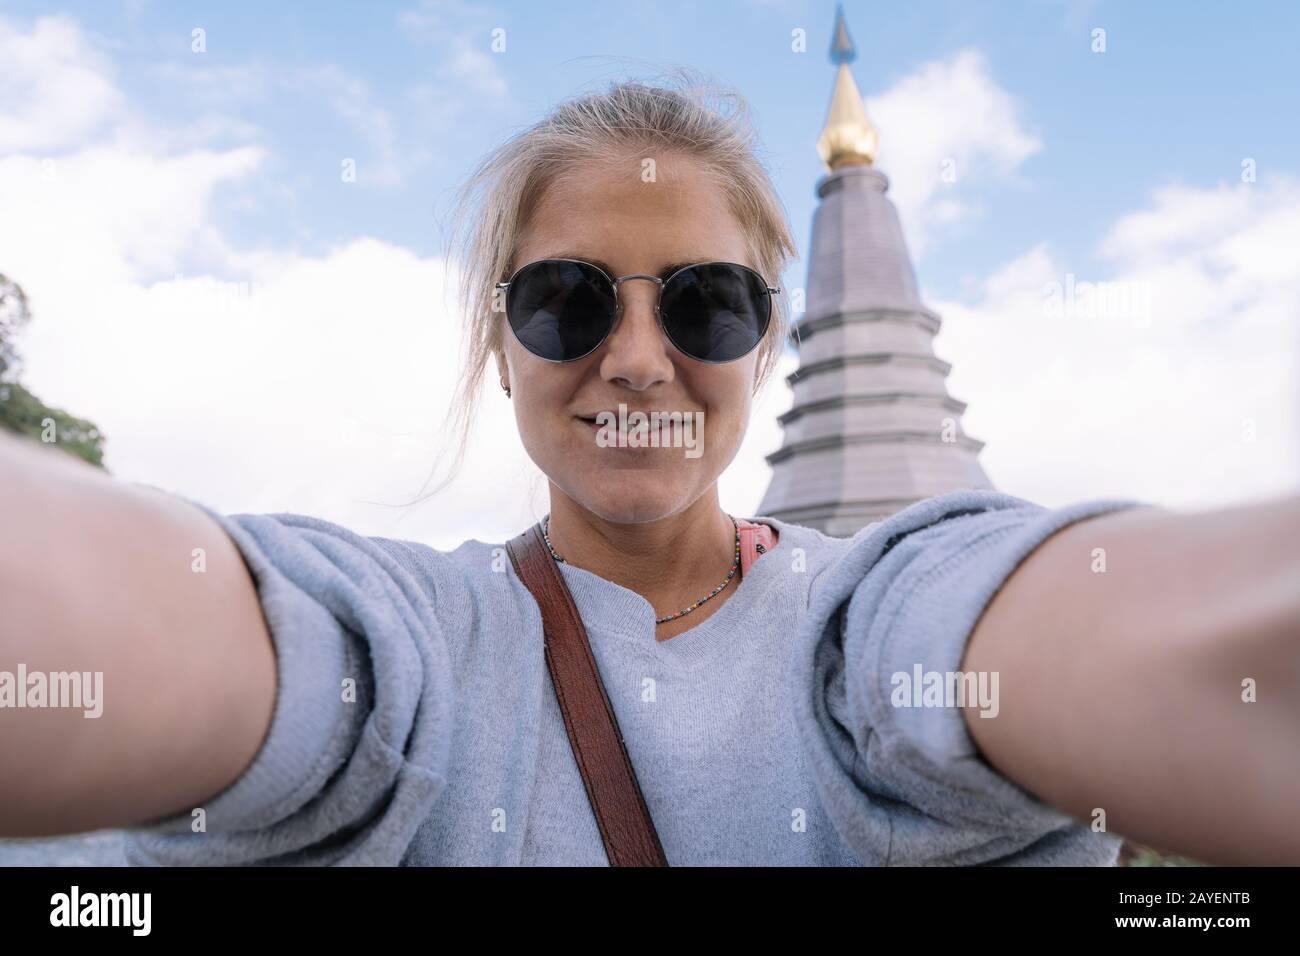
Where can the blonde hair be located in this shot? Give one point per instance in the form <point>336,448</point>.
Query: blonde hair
<point>683,115</point>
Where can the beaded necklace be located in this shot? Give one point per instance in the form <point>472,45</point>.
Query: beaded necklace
<point>735,566</point>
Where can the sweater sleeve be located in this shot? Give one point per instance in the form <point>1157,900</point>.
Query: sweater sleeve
<point>902,779</point>
<point>359,740</point>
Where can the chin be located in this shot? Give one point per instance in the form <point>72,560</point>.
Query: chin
<point>624,497</point>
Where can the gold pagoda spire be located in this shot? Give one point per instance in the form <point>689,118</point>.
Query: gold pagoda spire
<point>848,138</point>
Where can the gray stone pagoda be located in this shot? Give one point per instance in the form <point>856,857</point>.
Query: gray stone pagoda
<point>872,428</point>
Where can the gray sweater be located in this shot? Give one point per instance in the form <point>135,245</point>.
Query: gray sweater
<point>416,723</point>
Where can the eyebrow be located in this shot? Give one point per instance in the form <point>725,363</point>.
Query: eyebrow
<point>664,273</point>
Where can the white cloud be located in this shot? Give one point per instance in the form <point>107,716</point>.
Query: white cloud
<point>1191,401</point>
<point>57,88</point>
<point>111,213</point>
<point>946,111</point>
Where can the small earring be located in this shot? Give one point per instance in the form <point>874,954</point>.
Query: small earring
<point>507,388</point>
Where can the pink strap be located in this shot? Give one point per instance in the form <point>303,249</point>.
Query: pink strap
<point>755,541</point>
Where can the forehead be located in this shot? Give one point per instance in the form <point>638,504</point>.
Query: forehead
<point>636,213</point>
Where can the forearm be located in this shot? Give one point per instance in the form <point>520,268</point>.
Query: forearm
<point>1123,689</point>
<point>98,577</point>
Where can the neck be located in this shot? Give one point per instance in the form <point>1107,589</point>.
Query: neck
<point>672,562</point>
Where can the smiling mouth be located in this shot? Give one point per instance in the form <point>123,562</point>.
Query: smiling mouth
<point>616,421</point>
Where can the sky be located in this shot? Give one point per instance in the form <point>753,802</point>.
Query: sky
<point>172,201</point>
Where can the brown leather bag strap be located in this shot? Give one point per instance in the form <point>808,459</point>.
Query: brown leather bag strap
<point>621,813</point>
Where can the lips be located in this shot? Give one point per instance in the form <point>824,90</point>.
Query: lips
<point>628,413</point>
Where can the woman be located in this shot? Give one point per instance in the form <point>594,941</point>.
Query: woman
<point>279,689</point>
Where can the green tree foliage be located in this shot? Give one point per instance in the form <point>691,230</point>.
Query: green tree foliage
<point>14,314</point>
<point>23,412</point>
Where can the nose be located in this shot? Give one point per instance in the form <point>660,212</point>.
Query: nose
<point>637,353</point>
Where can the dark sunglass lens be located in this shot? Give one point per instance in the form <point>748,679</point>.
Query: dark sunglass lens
<point>716,312</point>
<point>560,310</point>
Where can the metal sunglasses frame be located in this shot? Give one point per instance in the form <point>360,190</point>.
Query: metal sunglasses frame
<point>618,305</point>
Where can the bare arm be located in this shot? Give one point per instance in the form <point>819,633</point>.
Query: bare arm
<point>1123,689</point>
<point>97,575</point>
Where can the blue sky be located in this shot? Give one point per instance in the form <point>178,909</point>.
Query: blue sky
<point>139,179</point>
<point>1182,93</point>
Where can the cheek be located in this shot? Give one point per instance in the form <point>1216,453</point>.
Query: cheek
<point>729,431</point>
<point>729,403</point>
<point>542,395</point>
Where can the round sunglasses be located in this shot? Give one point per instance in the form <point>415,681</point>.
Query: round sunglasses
<point>563,309</point>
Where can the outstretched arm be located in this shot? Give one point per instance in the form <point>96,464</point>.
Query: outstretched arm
<point>1149,666</point>
<point>98,575</point>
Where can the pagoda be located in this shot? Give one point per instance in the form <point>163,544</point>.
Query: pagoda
<point>872,428</point>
